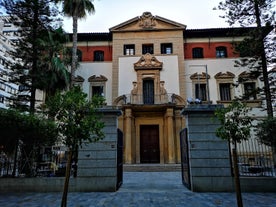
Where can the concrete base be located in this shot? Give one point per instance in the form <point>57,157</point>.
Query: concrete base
<point>56,184</point>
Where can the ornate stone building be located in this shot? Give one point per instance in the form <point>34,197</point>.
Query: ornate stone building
<point>148,67</point>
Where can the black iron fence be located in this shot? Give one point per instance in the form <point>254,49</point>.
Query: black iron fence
<point>255,159</point>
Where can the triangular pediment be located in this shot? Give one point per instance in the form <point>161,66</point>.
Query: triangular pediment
<point>147,22</point>
<point>148,61</point>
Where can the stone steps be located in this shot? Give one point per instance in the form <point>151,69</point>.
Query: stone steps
<point>151,167</point>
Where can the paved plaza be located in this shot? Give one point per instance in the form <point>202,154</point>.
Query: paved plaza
<point>141,189</point>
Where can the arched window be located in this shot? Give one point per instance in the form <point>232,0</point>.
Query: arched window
<point>79,54</point>
<point>98,55</point>
<point>197,52</point>
<point>221,52</point>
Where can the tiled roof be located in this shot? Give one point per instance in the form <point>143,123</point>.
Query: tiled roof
<point>188,33</point>
<point>104,36</point>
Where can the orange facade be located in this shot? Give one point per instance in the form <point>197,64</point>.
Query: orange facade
<point>88,52</point>
<point>209,49</point>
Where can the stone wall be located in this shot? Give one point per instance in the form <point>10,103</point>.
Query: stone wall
<point>209,156</point>
<point>210,168</point>
<point>97,166</point>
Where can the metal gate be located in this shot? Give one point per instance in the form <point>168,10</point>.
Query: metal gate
<point>119,158</point>
<point>185,159</point>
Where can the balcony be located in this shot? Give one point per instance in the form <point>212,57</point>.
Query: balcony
<point>168,98</point>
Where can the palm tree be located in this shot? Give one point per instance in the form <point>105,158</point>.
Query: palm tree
<point>77,9</point>
<point>55,75</point>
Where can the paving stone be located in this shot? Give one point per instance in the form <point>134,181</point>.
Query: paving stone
<point>141,189</point>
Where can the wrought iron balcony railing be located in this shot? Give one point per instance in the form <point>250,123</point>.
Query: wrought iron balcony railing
<point>150,100</point>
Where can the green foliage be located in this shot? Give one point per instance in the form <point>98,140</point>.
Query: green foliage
<point>77,9</point>
<point>34,18</point>
<point>54,74</point>
<point>266,131</point>
<point>258,48</point>
<point>31,129</point>
<point>235,122</point>
<point>76,117</point>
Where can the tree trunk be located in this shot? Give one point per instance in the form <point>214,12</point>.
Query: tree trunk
<point>15,158</point>
<point>67,179</point>
<point>74,49</point>
<point>237,178</point>
<point>264,62</point>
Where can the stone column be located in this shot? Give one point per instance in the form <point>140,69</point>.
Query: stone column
<point>209,158</point>
<point>170,136</point>
<point>128,138</point>
<point>97,161</point>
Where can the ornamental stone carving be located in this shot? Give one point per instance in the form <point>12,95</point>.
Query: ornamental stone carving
<point>148,61</point>
<point>227,75</point>
<point>147,20</point>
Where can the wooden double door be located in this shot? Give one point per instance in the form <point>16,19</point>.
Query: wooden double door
<point>149,144</point>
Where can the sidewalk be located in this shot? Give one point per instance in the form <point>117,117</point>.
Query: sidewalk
<point>141,189</point>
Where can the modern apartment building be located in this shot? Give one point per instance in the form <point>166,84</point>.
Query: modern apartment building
<point>8,37</point>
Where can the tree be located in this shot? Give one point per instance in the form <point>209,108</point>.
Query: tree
<point>31,130</point>
<point>248,13</point>
<point>235,127</point>
<point>78,122</point>
<point>77,9</point>
<point>55,61</point>
<point>34,18</point>
<point>266,133</point>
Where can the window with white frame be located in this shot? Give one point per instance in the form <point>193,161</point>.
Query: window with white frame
<point>129,49</point>
<point>200,91</point>
<point>166,48</point>
<point>225,91</point>
<point>200,87</point>
<point>97,85</point>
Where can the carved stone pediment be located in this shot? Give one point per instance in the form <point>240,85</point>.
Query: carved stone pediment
<point>148,61</point>
<point>196,76</point>
<point>147,22</point>
<point>227,75</point>
<point>78,79</point>
<point>95,78</point>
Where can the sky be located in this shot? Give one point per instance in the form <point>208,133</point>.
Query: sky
<point>195,14</point>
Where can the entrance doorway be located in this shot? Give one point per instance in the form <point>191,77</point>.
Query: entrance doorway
<point>149,144</point>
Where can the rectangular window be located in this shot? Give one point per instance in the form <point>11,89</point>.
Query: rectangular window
<point>166,48</point>
<point>97,91</point>
<point>250,91</point>
<point>129,49</point>
<point>99,56</point>
<point>147,48</point>
<point>197,52</point>
<point>200,91</point>
<point>2,99</point>
<point>225,91</point>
